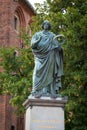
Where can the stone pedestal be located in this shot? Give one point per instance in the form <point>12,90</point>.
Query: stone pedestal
<point>44,113</point>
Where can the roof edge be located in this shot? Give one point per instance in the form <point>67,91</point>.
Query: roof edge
<point>30,5</point>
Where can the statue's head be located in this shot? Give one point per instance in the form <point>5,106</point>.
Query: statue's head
<point>46,22</point>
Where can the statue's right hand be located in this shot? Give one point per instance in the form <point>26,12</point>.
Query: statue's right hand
<point>39,38</point>
<point>35,41</point>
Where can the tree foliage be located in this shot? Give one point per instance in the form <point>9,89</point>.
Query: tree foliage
<point>16,78</point>
<point>69,18</point>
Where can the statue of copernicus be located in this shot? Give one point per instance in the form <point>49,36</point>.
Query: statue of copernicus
<point>48,55</point>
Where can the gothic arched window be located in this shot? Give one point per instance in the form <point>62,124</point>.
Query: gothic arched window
<point>16,23</point>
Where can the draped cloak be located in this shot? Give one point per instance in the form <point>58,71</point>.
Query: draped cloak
<point>48,60</point>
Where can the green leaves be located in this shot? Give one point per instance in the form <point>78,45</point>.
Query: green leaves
<point>16,77</point>
<point>69,18</point>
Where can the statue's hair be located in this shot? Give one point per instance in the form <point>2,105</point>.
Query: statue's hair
<point>46,21</point>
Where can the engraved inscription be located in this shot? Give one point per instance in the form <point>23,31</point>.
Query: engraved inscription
<point>47,121</point>
<point>49,127</point>
<point>47,124</point>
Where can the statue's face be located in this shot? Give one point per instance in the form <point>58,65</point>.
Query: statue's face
<point>46,26</point>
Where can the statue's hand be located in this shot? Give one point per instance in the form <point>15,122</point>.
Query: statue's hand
<point>34,42</point>
<point>39,39</point>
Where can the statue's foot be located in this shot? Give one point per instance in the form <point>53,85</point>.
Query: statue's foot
<point>53,96</point>
<point>38,95</point>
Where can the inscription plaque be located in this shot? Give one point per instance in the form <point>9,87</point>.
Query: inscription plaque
<point>40,118</point>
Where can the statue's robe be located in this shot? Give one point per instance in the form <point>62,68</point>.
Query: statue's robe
<point>48,60</point>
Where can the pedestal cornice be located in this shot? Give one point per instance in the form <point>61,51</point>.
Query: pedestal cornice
<point>45,101</point>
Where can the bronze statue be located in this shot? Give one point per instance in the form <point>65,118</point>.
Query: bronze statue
<point>48,55</point>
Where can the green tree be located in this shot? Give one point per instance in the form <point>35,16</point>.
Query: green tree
<point>16,78</point>
<point>69,18</point>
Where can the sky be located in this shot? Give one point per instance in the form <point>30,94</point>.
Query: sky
<point>35,1</point>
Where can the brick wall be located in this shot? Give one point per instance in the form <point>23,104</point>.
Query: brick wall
<point>8,9</point>
<point>8,118</point>
<point>4,28</point>
<point>7,115</point>
<point>2,111</point>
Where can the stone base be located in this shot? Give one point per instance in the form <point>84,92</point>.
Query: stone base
<point>44,113</point>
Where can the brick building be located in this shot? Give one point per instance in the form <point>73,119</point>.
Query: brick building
<point>8,119</point>
<point>14,16</point>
